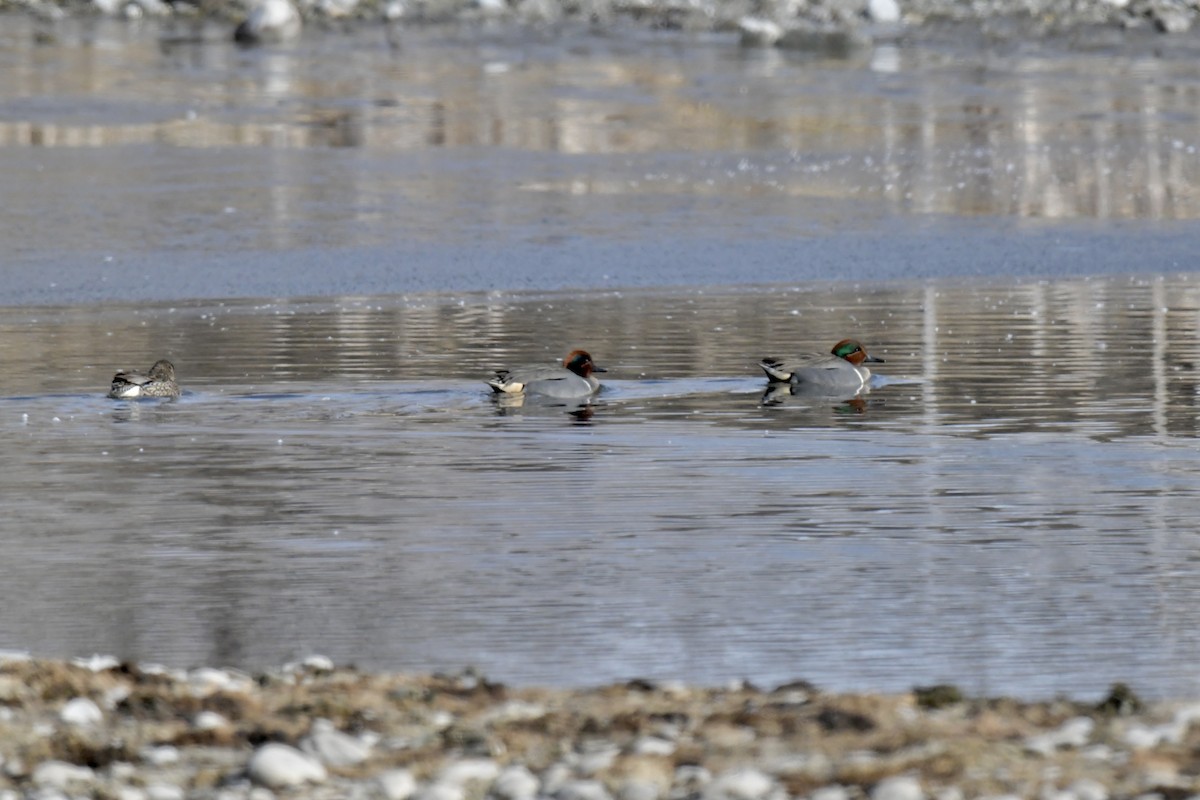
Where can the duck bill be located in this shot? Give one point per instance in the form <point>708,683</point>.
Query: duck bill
<point>598,369</point>
<point>874,359</point>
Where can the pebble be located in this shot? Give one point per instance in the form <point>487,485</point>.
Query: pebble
<point>332,747</point>
<point>270,21</point>
<point>1087,789</point>
<point>740,784</point>
<point>81,712</point>
<point>899,787</point>
<point>441,791</point>
<point>583,790</point>
<point>209,721</point>
<point>469,770</point>
<point>396,784</point>
<point>1073,733</point>
<point>830,793</point>
<point>653,746</point>
<point>515,782</point>
<point>278,766</point>
<point>887,11</point>
<point>161,756</point>
<point>639,790</point>
<point>61,775</point>
<point>163,791</point>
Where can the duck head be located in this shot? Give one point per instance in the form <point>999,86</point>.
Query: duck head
<point>853,352</point>
<point>162,370</point>
<point>580,362</point>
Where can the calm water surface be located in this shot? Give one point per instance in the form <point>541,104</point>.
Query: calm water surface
<point>1011,507</point>
<point>336,240</point>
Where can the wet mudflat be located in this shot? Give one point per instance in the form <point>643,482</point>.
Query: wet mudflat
<point>337,240</point>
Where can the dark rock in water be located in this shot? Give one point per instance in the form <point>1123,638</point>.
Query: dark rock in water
<point>269,21</point>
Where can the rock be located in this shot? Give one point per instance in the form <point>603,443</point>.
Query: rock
<point>1169,19</point>
<point>164,791</point>
<point>595,757</point>
<point>61,775</point>
<point>515,782</point>
<point>739,784</point>
<point>332,747</point>
<point>97,662</point>
<point>830,793</point>
<point>898,787</point>
<point>653,746</point>
<point>885,11</point>
<point>278,766</point>
<point>469,771</point>
<point>582,790</point>
<point>690,779</point>
<point>639,790</point>
<point>514,711</point>
<point>209,721</point>
<point>1087,789</point>
<point>81,712</point>
<point>759,31</point>
<point>396,784</point>
<point>161,756</point>
<point>1072,733</point>
<point>270,21</point>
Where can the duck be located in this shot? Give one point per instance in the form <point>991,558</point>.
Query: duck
<point>841,370</point>
<point>574,379</point>
<point>158,381</point>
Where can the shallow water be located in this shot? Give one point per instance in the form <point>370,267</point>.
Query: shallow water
<point>1010,508</point>
<point>336,241</point>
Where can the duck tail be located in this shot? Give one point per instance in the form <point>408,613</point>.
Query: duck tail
<point>503,383</point>
<point>774,369</point>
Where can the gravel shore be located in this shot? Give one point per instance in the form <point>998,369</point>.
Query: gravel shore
<point>801,24</point>
<point>99,728</point>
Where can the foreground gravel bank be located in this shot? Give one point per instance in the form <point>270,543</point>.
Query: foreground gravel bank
<point>109,730</point>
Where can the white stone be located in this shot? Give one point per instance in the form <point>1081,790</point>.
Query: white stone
<point>596,757</point>
<point>396,784</point>
<point>830,793</point>
<point>950,793</point>
<point>161,756</point>
<point>883,10</point>
<point>206,680</point>
<point>114,696</point>
<point>278,766</point>
<point>1073,733</point>
<point>739,784</point>
<point>515,782</point>
<point>514,711</point>
<point>97,663</point>
<point>81,712</point>
<point>61,775</point>
<point>332,747</point>
<point>690,779</point>
<point>130,793</point>
<point>554,777</point>
<point>653,746</point>
<point>276,21</point>
<point>1088,789</point>
<point>441,791</point>
<point>209,721</point>
<point>759,31</point>
<point>164,791</point>
<point>898,787</point>
<point>467,771</point>
<point>639,790</point>
<point>582,790</point>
